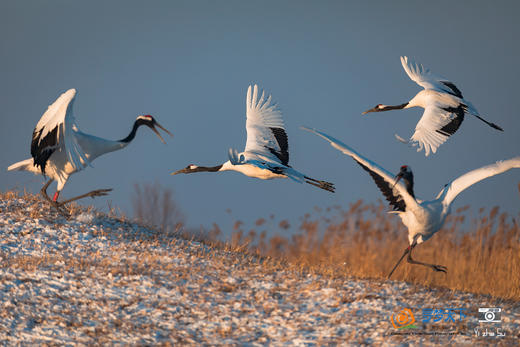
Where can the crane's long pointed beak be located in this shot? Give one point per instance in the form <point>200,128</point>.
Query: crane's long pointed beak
<point>160,137</point>
<point>368,111</point>
<point>157,132</point>
<point>178,172</point>
<point>163,128</point>
<point>397,178</point>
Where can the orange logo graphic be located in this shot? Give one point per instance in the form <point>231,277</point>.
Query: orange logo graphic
<point>403,319</point>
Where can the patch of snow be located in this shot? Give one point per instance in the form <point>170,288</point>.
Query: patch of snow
<point>87,218</point>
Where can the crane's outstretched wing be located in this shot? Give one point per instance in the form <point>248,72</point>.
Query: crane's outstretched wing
<point>455,187</point>
<point>266,134</point>
<point>55,131</point>
<point>397,195</point>
<point>423,77</point>
<point>435,126</point>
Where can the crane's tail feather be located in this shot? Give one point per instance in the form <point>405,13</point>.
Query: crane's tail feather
<point>24,165</point>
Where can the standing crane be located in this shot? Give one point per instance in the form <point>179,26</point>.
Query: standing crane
<point>444,108</point>
<point>59,149</point>
<point>422,218</point>
<point>266,155</point>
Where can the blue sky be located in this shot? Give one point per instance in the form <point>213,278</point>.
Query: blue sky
<point>189,63</point>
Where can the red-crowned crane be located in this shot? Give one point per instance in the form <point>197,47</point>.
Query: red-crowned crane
<point>266,155</point>
<point>422,218</point>
<point>59,149</point>
<point>444,108</point>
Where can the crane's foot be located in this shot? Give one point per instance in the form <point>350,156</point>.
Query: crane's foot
<point>60,206</point>
<point>320,184</point>
<point>439,268</point>
<point>53,203</point>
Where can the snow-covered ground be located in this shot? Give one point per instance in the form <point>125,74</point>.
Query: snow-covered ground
<point>95,279</point>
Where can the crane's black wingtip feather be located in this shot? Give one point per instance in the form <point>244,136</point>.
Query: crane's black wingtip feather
<point>493,125</point>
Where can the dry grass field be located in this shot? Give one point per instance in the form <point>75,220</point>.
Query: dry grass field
<point>95,278</point>
<point>482,255</point>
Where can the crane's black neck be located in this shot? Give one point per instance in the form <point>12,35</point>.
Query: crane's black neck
<point>131,136</point>
<point>207,168</point>
<point>396,107</point>
<point>408,183</point>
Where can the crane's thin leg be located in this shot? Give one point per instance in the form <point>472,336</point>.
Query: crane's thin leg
<point>43,191</point>
<point>439,268</point>
<point>53,203</point>
<point>92,194</point>
<point>406,251</point>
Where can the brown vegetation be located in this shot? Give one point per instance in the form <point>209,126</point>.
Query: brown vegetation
<point>365,241</point>
<point>154,207</point>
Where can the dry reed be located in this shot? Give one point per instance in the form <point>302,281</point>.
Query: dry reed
<point>155,207</point>
<point>365,241</point>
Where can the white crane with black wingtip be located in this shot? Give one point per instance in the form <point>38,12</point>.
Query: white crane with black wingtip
<point>444,108</point>
<point>422,218</point>
<point>59,149</point>
<point>266,155</point>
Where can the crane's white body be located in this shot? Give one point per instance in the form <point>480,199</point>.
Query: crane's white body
<point>422,218</point>
<point>59,168</point>
<point>250,169</point>
<point>443,104</point>
<point>266,155</point>
<point>74,149</point>
<point>435,99</point>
